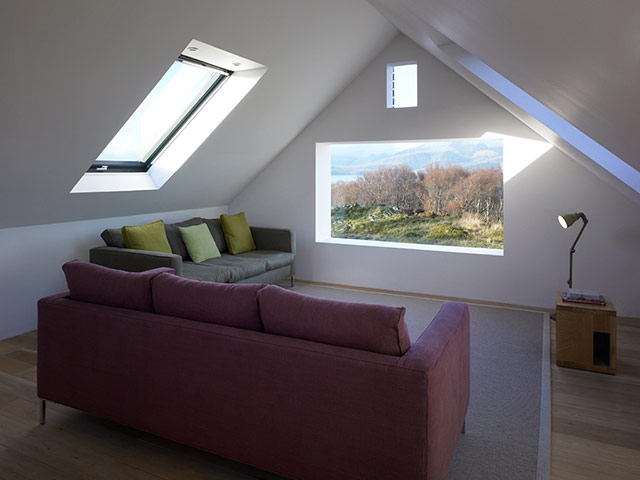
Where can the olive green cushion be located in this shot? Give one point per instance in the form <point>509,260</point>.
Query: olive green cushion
<point>199,242</point>
<point>150,236</point>
<point>237,233</point>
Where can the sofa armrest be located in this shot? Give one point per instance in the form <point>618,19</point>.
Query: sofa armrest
<point>134,260</point>
<point>280,239</point>
<point>443,353</point>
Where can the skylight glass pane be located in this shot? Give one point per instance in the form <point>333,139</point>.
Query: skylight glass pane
<point>405,86</point>
<point>166,106</point>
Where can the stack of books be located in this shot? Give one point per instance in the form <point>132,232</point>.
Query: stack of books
<point>583,296</point>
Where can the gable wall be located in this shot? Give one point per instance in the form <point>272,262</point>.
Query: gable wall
<point>535,261</point>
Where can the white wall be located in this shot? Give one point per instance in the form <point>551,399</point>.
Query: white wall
<point>32,258</point>
<point>75,70</point>
<point>535,261</point>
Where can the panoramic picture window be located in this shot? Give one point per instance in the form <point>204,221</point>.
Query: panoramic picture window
<point>445,192</point>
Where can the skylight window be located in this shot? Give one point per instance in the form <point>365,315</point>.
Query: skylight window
<point>160,116</point>
<point>193,97</point>
<point>402,85</point>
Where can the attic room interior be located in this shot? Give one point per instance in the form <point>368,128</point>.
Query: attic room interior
<point>245,297</point>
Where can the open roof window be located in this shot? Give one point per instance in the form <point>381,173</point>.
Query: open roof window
<point>169,106</point>
<point>192,98</point>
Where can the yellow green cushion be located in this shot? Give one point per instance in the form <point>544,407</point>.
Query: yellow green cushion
<point>237,233</point>
<point>199,242</point>
<point>150,236</point>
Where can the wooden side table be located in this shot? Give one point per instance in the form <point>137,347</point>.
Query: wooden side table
<point>586,335</point>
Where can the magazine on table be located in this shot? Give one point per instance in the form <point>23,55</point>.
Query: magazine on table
<point>583,296</point>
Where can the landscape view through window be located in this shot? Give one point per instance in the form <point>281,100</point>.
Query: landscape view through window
<point>444,192</point>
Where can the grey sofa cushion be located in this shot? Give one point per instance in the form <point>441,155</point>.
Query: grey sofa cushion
<point>216,232</point>
<point>272,258</point>
<point>227,268</point>
<point>196,271</point>
<point>113,237</point>
<point>175,238</point>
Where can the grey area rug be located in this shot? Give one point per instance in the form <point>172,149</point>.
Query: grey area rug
<point>505,438</point>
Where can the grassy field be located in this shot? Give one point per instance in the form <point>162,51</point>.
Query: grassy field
<point>391,225</point>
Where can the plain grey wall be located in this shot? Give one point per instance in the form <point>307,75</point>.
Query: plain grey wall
<point>32,258</point>
<point>535,261</point>
<point>75,70</point>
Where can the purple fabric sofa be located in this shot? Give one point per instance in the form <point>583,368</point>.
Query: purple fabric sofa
<point>219,367</point>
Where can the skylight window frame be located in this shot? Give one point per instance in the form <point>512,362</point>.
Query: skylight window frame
<point>136,166</point>
<point>246,75</point>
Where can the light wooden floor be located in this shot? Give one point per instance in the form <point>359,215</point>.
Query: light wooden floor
<point>595,418</point>
<point>595,429</point>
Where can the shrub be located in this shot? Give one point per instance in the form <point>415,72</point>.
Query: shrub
<point>470,221</point>
<point>446,231</point>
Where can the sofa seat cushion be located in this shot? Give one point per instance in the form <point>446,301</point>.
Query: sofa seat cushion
<point>273,258</point>
<point>226,268</point>
<point>239,267</point>
<point>375,328</point>
<point>223,304</point>
<point>205,272</point>
<point>92,283</point>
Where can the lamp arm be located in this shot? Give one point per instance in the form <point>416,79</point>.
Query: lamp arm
<point>572,250</point>
<point>584,224</point>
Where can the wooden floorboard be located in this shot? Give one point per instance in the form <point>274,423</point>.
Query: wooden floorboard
<point>595,418</point>
<point>595,431</point>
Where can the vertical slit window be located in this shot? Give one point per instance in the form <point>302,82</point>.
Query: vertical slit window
<point>402,85</point>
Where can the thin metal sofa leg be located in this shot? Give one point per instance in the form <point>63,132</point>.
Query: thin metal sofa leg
<point>291,277</point>
<point>43,412</point>
<point>464,427</point>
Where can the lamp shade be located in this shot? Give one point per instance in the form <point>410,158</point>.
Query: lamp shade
<point>568,219</point>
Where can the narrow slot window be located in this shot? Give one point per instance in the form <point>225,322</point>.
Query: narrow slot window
<point>402,85</point>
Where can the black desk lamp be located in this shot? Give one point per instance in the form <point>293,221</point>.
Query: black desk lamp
<point>566,221</point>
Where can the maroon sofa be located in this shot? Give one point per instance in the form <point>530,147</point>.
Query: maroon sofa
<point>215,366</point>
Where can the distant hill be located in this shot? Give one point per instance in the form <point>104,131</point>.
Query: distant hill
<point>466,153</point>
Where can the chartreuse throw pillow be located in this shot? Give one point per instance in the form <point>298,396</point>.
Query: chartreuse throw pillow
<point>150,236</point>
<point>237,233</point>
<point>199,242</point>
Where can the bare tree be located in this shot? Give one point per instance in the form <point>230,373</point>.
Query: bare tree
<point>439,189</point>
<point>437,184</point>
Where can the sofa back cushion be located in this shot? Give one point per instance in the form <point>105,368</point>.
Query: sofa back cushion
<point>113,237</point>
<point>234,305</point>
<point>175,238</point>
<point>375,328</point>
<point>92,283</point>
<point>215,227</point>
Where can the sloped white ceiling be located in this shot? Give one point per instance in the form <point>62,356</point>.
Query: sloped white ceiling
<point>579,58</point>
<point>74,70</point>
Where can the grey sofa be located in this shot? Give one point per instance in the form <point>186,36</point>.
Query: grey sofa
<point>271,262</point>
